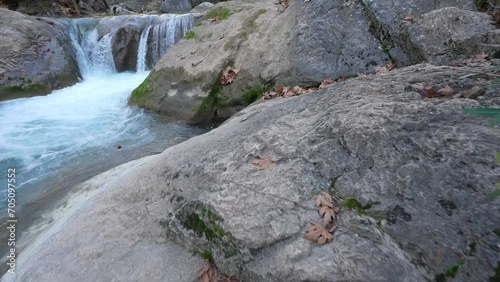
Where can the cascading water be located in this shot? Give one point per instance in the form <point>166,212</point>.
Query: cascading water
<point>57,140</point>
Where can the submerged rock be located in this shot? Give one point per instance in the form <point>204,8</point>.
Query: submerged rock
<point>35,58</point>
<point>422,170</point>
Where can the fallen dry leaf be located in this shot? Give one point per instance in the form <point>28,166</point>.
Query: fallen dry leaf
<point>317,233</point>
<point>386,68</point>
<point>229,75</point>
<point>446,91</point>
<point>215,19</point>
<point>325,83</point>
<point>264,163</point>
<point>425,90</point>
<point>479,58</point>
<point>207,273</point>
<point>324,199</point>
<point>327,214</point>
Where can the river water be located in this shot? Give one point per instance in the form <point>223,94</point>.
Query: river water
<point>56,141</point>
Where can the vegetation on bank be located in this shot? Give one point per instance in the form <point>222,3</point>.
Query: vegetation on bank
<point>142,91</point>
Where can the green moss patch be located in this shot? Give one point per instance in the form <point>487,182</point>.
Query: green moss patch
<point>221,12</point>
<point>248,28</point>
<point>204,224</point>
<point>190,35</point>
<point>253,95</point>
<point>142,91</point>
<point>355,205</point>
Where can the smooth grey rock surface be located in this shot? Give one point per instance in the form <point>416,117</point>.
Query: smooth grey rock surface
<point>35,57</point>
<point>460,35</point>
<point>387,18</point>
<point>427,168</point>
<point>203,7</point>
<point>116,250</point>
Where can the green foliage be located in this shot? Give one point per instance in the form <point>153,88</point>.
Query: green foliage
<point>384,49</point>
<point>142,91</point>
<point>492,113</point>
<point>190,35</point>
<point>221,12</point>
<point>236,40</point>
<point>30,88</point>
<point>355,205</point>
<point>495,194</point>
<point>206,255</point>
<point>497,232</point>
<point>206,224</point>
<point>252,95</point>
<point>482,4</point>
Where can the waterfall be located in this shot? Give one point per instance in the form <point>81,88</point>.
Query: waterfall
<point>143,49</point>
<point>169,30</point>
<point>92,39</point>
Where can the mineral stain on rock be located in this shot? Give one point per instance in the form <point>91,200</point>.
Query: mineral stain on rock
<point>397,213</point>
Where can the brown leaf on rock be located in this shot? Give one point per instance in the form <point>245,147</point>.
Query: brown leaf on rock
<point>446,91</point>
<point>425,90</point>
<point>325,83</point>
<point>386,68</point>
<point>207,273</point>
<point>324,199</point>
<point>229,75</point>
<point>327,214</point>
<point>285,3</point>
<point>317,233</point>
<point>479,58</point>
<point>264,163</point>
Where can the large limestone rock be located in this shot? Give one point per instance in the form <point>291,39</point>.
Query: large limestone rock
<point>427,169</point>
<point>302,45</point>
<point>66,8</point>
<point>386,19</point>
<point>35,57</point>
<point>175,6</point>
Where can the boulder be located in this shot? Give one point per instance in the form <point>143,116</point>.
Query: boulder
<point>175,6</point>
<point>65,8</point>
<point>415,178</point>
<point>137,6</point>
<point>460,35</point>
<point>302,45</point>
<point>35,57</point>
<point>203,8</point>
<point>386,18</point>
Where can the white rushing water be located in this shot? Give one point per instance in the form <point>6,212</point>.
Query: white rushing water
<point>86,128</point>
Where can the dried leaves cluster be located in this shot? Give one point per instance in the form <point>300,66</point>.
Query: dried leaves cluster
<point>208,273</point>
<point>323,233</point>
<point>228,75</point>
<point>284,91</point>
<point>428,91</point>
